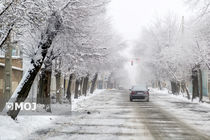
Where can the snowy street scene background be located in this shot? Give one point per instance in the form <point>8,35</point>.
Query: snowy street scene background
<point>104,69</point>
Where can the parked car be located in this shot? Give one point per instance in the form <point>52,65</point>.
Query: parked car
<point>139,92</point>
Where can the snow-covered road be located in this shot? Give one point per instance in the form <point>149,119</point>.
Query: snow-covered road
<point>109,115</point>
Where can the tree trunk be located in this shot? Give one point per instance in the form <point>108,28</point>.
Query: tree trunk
<point>8,70</point>
<point>174,87</point>
<point>69,88</point>
<point>85,85</point>
<point>179,86</point>
<point>64,86</point>
<point>40,95</point>
<point>93,83</point>
<point>201,88</point>
<point>44,93</point>
<point>47,91</point>
<point>195,84</point>
<point>76,89</point>
<point>185,89</point>
<point>58,87</point>
<point>159,85</point>
<point>43,96</point>
<point>58,79</point>
<point>80,86</point>
<point>21,92</point>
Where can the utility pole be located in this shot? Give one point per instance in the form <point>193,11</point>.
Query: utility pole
<point>183,25</point>
<point>183,30</point>
<point>169,36</point>
<point>8,70</point>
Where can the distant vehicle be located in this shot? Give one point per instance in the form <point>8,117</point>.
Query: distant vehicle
<point>120,87</point>
<point>139,92</point>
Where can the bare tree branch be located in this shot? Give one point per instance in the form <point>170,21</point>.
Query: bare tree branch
<point>6,36</point>
<point>8,6</point>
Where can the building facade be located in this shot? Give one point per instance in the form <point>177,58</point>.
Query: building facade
<point>17,73</point>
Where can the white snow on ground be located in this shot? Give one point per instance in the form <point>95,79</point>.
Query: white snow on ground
<point>11,129</point>
<point>195,114</point>
<point>27,124</point>
<point>183,97</point>
<point>77,103</point>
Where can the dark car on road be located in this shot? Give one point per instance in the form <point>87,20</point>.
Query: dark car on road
<point>139,92</point>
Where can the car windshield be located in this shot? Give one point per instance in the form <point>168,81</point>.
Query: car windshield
<point>139,88</point>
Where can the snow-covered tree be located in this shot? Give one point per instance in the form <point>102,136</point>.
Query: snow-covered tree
<point>74,33</point>
<point>54,24</point>
<point>168,52</point>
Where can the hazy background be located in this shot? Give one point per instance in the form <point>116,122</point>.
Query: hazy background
<point>129,17</point>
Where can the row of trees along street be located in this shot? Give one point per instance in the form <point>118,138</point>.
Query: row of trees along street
<point>65,38</point>
<point>176,51</point>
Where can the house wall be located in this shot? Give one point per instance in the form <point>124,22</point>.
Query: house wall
<point>16,62</point>
<point>16,78</point>
<point>205,82</point>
